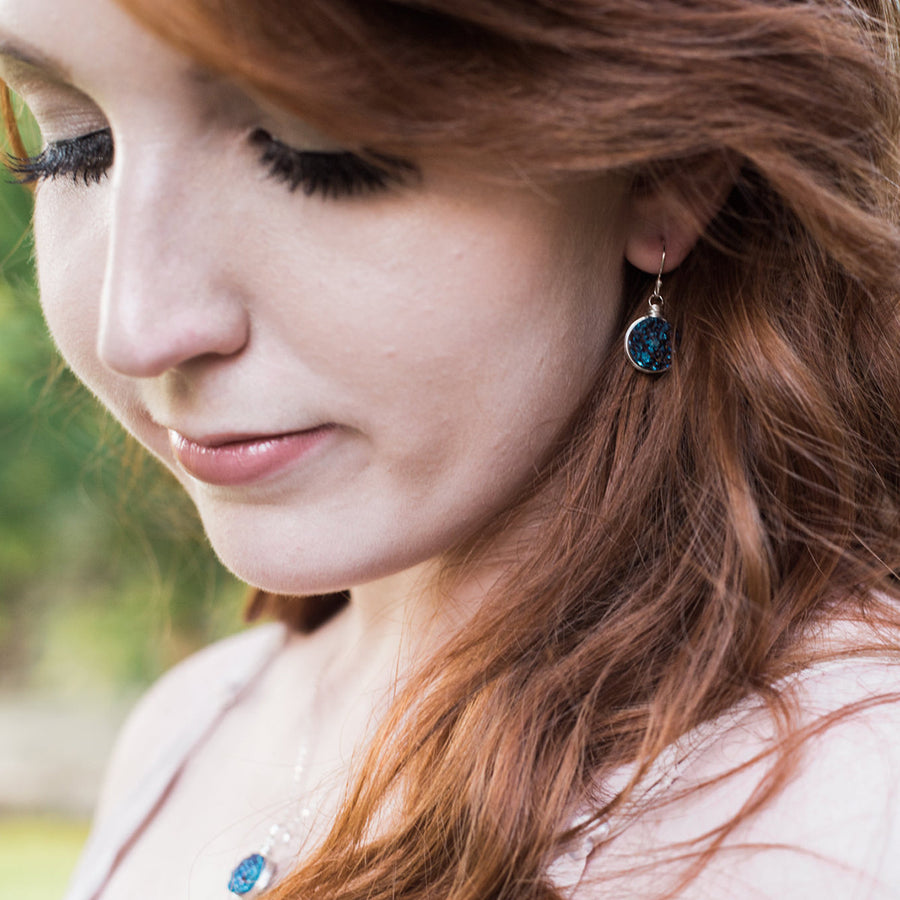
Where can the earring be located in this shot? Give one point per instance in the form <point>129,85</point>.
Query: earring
<point>648,341</point>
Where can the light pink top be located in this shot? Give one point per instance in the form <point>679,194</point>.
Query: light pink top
<point>194,719</point>
<point>847,781</point>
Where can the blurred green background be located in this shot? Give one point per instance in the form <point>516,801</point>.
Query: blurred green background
<point>105,581</point>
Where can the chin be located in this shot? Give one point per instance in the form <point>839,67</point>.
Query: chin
<point>322,562</point>
<point>285,545</point>
<point>280,570</point>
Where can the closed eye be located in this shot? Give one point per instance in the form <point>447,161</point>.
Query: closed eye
<point>334,174</point>
<point>87,160</point>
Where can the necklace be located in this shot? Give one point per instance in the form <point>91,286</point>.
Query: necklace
<point>257,871</point>
<point>254,873</point>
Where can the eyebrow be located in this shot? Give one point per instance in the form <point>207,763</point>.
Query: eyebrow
<point>22,52</point>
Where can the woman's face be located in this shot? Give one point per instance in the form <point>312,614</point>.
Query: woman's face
<point>345,385</point>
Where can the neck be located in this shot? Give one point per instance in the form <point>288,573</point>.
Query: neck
<point>420,608</point>
<point>409,614</point>
<point>403,618</point>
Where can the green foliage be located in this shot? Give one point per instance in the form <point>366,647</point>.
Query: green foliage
<point>38,855</point>
<point>105,577</point>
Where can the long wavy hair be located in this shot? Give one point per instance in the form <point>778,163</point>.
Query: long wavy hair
<point>709,519</point>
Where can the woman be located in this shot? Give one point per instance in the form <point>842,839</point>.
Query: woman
<point>564,613</point>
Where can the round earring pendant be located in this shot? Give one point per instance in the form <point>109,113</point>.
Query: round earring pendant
<point>648,344</point>
<point>254,874</point>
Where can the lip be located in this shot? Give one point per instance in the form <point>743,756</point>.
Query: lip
<point>227,461</point>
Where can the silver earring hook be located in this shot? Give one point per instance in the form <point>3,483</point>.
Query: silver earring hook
<point>656,295</point>
<point>649,340</point>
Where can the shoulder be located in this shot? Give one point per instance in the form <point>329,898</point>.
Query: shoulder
<point>195,689</point>
<point>831,827</point>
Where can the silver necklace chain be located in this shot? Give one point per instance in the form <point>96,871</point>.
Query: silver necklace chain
<point>256,872</point>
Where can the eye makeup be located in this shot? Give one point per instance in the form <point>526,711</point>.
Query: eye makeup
<point>333,174</point>
<point>84,159</point>
<point>17,54</point>
<point>336,173</point>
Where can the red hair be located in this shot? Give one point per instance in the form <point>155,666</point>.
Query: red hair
<point>708,518</point>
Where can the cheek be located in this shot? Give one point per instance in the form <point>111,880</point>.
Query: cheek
<point>426,332</point>
<point>487,303</point>
<point>468,331</point>
<point>443,288</point>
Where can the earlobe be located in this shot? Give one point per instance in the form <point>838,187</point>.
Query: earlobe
<point>673,216</point>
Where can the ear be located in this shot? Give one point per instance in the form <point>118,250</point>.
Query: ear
<point>673,213</point>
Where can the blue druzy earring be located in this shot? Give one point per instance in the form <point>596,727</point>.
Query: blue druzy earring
<point>254,874</point>
<point>648,341</point>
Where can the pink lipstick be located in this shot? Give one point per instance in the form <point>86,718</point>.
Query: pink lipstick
<point>242,460</point>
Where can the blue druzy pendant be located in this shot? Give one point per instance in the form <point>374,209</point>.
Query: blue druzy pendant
<point>648,343</point>
<point>253,873</point>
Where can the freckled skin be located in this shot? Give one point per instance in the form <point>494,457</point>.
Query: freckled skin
<point>448,327</point>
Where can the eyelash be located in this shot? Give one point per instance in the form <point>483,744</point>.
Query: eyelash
<point>334,174</point>
<point>85,159</point>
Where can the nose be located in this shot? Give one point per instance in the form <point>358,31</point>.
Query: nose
<point>167,295</point>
